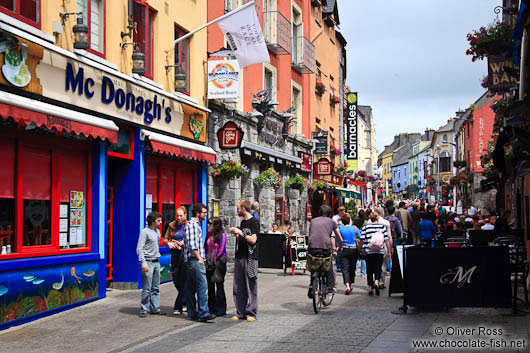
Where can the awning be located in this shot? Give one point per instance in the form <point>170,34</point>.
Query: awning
<point>347,193</point>
<point>180,148</point>
<point>272,153</point>
<point>27,110</point>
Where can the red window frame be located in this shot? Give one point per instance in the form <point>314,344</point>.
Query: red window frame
<point>89,24</point>
<point>180,57</point>
<point>131,146</point>
<point>16,14</point>
<point>173,165</point>
<point>47,142</point>
<point>143,36</point>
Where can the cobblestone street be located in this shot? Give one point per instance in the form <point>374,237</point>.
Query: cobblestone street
<point>286,323</point>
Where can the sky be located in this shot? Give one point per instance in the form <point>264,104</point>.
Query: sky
<point>407,59</point>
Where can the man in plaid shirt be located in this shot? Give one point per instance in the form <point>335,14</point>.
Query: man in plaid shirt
<point>194,257</point>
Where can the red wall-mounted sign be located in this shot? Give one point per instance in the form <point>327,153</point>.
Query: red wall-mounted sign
<point>323,167</point>
<point>306,162</point>
<point>230,136</point>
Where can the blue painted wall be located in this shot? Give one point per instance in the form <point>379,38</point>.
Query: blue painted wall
<point>400,174</point>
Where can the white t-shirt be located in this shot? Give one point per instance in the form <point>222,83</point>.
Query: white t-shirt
<point>336,219</point>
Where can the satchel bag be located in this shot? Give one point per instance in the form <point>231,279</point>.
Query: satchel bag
<point>317,263</point>
<point>210,262</point>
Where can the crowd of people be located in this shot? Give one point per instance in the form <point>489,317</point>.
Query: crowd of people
<point>368,237</point>
<point>199,267</point>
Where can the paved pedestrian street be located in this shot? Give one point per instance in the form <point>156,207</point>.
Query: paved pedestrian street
<point>286,323</point>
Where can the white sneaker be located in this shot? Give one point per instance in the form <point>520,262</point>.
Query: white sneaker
<point>176,312</point>
<point>184,309</point>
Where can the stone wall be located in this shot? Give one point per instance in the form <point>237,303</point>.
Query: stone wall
<point>482,200</point>
<point>229,193</point>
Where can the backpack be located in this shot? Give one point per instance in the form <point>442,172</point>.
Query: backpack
<point>393,230</point>
<point>376,241</point>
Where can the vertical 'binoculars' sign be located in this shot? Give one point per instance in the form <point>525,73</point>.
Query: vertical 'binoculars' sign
<point>350,133</point>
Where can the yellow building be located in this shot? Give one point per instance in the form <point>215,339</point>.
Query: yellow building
<point>387,172</point>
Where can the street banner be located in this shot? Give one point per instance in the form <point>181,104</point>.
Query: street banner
<point>350,127</point>
<point>242,30</point>
<point>223,79</point>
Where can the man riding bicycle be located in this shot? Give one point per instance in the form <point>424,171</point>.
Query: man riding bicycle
<point>322,233</point>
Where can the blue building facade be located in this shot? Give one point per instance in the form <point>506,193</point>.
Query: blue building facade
<point>423,171</point>
<point>400,178</point>
<point>87,152</point>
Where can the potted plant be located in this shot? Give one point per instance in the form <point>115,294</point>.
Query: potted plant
<point>320,89</point>
<point>333,99</point>
<point>491,171</point>
<point>339,169</point>
<point>269,178</point>
<point>494,39</point>
<point>229,169</point>
<point>296,182</point>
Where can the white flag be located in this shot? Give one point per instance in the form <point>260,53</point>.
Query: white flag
<point>242,30</point>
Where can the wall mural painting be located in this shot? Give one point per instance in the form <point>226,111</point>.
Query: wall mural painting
<point>28,292</point>
<point>165,267</point>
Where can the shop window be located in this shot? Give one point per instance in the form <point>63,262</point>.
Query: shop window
<point>445,164</point>
<point>36,189</point>
<point>144,34</point>
<point>43,198</point>
<point>94,17</point>
<point>169,185</point>
<point>25,10</point>
<point>124,148</point>
<point>278,210</point>
<point>182,57</point>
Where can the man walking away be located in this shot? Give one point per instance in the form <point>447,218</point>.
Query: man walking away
<point>415,216</point>
<point>194,256</point>
<point>148,255</point>
<point>406,221</point>
<point>246,264</point>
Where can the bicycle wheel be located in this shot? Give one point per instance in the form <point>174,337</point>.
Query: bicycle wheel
<point>316,294</point>
<point>328,297</point>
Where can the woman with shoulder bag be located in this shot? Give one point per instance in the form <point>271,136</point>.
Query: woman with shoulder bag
<point>216,268</point>
<point>350,251</point>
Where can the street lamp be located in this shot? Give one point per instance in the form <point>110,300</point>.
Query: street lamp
<point>438,191</point>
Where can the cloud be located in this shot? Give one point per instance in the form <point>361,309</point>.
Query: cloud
<point>407,59</point>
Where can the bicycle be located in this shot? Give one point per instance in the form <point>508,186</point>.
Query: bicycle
<point>320,286</point>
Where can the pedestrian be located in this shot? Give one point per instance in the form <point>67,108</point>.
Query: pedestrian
<point>246,265</point>
<point>504,224</point>
<point>173,239</point>
<point>194,255</point>
<point>350,252</point>
<point>148,255</point>
<point>415,219</point>
<point>374,250</point>
<point>405,219</point>
<point>388,250</point>
<point>396,232</point>
<point>254,210</point>
<point>426,229</point>
<point>216,258</point>
<point>338,217</point>
<point>359,222</point>
<point>488,225</point>
<point>322,234</point>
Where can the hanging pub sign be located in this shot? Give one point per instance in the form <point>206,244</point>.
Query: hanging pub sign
<point>498,78</point>
<point>350,127</point>
<point>335,180</point>
<point>223,79</point>
<point>306,162</point>
<point>323,167</point>
<point>321,147</point>
<point>230,136</point>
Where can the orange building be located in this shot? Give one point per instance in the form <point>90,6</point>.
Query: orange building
<point>292,57</point>
<point>326,107</point>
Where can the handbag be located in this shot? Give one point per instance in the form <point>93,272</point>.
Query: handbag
<point>210,262</point>
<point>218,276</point>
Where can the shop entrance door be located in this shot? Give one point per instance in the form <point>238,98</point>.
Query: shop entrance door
<point>110,231</point>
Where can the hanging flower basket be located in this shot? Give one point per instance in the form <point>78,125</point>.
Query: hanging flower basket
<point>269,178</point>
<point>229,170</point>
<point>491,40</point>
<point>320,89</point>
<point>319,185</point>
<point>296,182</point>
<point>334,150</point>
